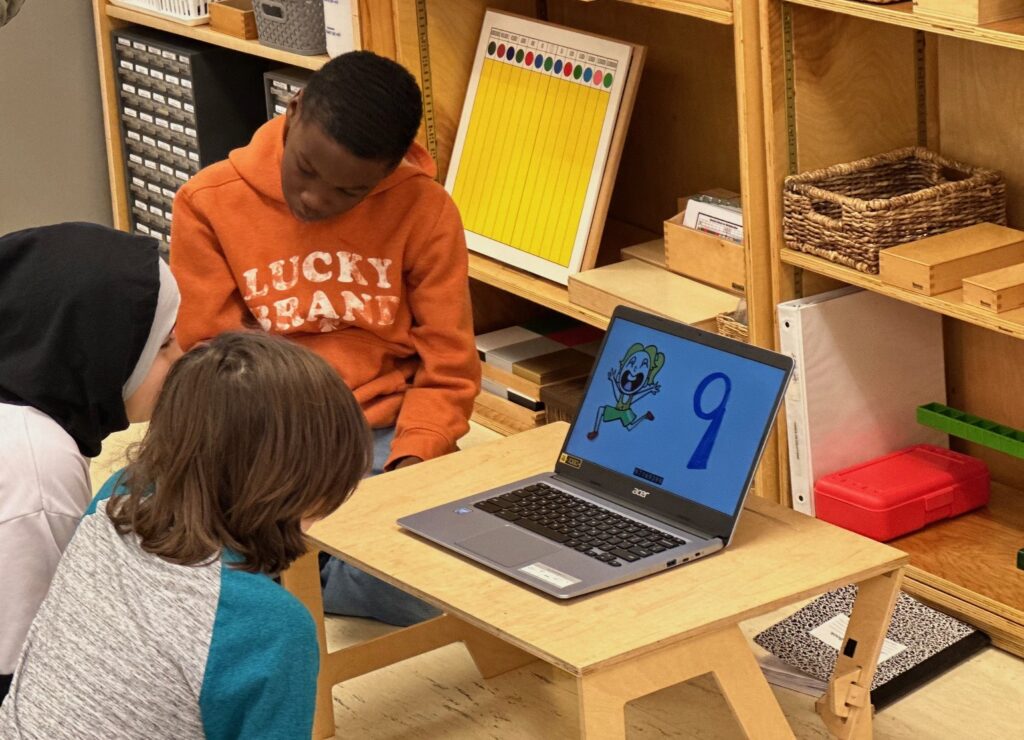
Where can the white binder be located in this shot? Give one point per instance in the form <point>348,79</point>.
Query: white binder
<point>863,364</point>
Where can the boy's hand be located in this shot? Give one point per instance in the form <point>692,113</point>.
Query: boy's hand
<point>407,461</point>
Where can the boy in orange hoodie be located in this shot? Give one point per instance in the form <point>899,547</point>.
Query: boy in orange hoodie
<point>329,229</point>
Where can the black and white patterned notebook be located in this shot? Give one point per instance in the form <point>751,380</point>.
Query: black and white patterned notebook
<point>922,643</point>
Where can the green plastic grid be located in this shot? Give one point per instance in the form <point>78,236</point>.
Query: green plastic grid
<point>973,428</point>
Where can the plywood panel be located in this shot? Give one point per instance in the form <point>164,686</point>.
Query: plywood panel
<point>683,137</point>
<point>855,87</point>
<point>985,377</point>
<point>981,109</point>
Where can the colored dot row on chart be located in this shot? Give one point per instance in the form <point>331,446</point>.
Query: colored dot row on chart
<point>548,64</point>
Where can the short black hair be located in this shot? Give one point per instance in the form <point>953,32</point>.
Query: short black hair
<point>367,103</point>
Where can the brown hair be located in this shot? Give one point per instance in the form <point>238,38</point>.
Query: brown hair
<point>251,434</point>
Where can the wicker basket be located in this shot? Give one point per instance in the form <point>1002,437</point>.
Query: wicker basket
<point>848,212</point>
<point>292,25</point>
<point>562,400</point>
<point>728,326</point>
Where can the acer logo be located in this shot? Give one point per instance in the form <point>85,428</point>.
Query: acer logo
<point>641,492</point>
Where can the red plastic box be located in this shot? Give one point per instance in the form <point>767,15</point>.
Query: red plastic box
<point>902,492</point>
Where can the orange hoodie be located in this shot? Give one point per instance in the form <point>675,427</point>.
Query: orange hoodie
<point>380,292</point>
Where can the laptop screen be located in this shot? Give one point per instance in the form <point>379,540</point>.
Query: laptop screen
<point>682,416</point>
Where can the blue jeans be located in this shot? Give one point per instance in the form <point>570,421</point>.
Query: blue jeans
<point>351,592</point>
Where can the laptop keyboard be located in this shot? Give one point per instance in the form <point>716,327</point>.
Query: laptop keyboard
<point>579,524</point>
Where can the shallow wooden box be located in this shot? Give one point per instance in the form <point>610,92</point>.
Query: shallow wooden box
<point>938,264</point>
<point>977,12</point>
<point>996,291</point>
<point>704,257</point>
<point>234,18</point>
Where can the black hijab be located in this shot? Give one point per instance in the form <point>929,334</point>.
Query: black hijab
<point>77,302</point>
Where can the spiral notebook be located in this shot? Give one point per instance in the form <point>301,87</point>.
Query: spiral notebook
<point>921,644</point>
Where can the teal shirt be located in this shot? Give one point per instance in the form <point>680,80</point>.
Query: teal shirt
<point>129,645</point>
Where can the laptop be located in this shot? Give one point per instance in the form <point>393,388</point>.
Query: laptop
<point>653,472</point>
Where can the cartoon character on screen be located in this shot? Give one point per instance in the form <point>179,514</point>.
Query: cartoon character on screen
<point>631,381</point>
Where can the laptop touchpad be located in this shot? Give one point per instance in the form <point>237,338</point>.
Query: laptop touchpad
<point>508,546</point>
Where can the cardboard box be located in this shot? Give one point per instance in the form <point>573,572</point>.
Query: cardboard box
<point>977,12</point>
<point>649,288</point>
<point>938,264</point>
<point>705,257</point>
<point>996,291</point>
<point>234,18</point>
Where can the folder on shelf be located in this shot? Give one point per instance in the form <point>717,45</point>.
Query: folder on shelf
<point>863,364</point>
<point>921,644</point>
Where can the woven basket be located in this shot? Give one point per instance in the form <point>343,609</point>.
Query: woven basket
<point>848,212</point>
<point>292,25</point>
<point>728,326</point>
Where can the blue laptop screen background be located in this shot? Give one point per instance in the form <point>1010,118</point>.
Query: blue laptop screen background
<point>676,414</point>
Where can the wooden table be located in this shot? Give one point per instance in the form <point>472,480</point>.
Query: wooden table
<point>619,644</point>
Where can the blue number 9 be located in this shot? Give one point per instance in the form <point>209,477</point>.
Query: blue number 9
<point>699,458</point>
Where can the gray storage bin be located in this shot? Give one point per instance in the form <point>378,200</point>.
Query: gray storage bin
<point>292,25</point>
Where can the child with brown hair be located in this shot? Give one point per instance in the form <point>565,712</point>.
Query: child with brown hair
<point>163,619</point>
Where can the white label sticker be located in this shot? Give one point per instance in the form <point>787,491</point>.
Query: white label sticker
<point>168,55</point>
<point>149,140</point>
<point>135,158</point>
<point>153,188</point>
<point>159,98</point>
<point>183,176</point>
<point>193,156</point>
<point>186,83</point>
<point>168,215</point>
<point>131,112</point>
<point>156,73</point>
<point>128,88</point>
<point>139,45</point>
<point>833,632</point>
<point>162,122</point>
<point>280,110</point>
<point>183,58</point>
<point>168,193</point>
<point>140,204</point>
<point>142,69</point>
<point>190,131</point>
<point>156,210</point>
<point>190,108</point>
<point>172,79</point>
<point>151,164</point>
<point>126,64</point>
<point>134,136</point>
<point>179,151</point>
<point>122,41</point>
<point>143,228</point>
<point>174,102</point>
<point>164,145</point>
<point>138,181</point>
<point>146,117</point>
<point>154,50</point>
<point>144,93</point>
<point>549,575</point>
<point>280,85</point>
<point>167,169</point>
<point>293,88</point>
<point>177,127</point>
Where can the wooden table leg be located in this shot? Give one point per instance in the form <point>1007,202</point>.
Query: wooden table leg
<point>846,706</point>
<point>302,580</point>
<point>603,694</point>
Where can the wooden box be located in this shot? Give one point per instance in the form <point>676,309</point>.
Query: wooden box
<point>977,12</point>
<point>938,264</point>
<point>234,18</point>
<point>649,288</point>
<point>704,257</point>
<point>996,291</point>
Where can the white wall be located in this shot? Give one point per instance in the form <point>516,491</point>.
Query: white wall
<point>52,157</point>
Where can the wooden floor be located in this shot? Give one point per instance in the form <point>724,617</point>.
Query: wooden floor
<point>440,695</point>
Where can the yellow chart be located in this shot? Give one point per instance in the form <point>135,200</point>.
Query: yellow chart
<point>533,142</point>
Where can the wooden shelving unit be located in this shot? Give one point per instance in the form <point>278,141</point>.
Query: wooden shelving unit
<point>846,80</point>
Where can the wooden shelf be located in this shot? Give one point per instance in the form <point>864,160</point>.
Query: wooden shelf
<point>971,560</point>
<point>208,35</point>
<point>531,287</point>
<point>1009,33</point>
<point>948,304</point>
<point>716,11</point>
